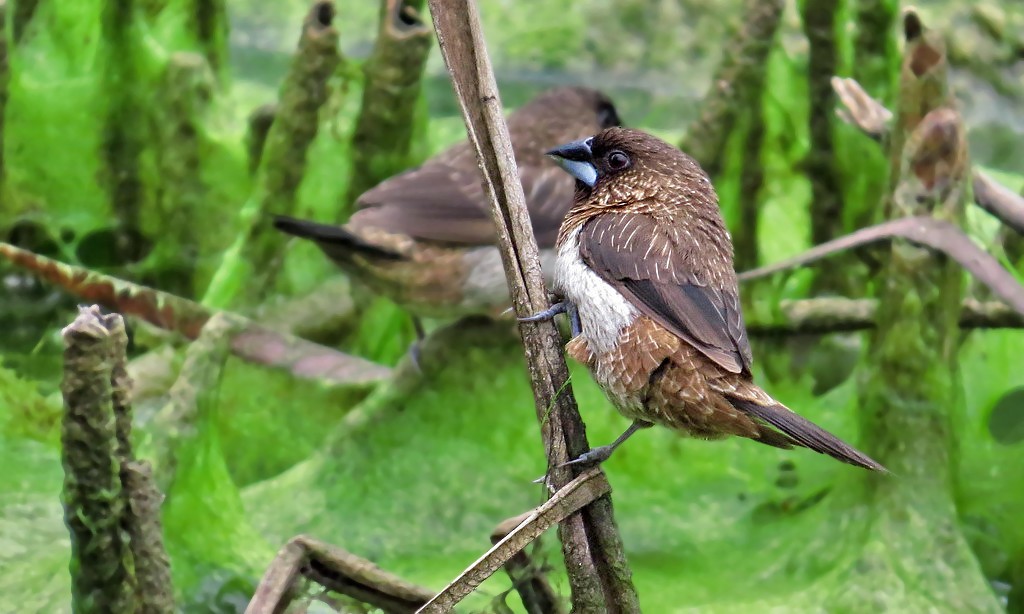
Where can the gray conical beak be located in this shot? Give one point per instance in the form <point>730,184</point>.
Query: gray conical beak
<point>576,159</point>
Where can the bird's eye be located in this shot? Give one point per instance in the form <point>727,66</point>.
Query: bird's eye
<point>617,160</point>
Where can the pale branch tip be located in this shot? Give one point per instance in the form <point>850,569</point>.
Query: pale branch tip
<point>869,115</point>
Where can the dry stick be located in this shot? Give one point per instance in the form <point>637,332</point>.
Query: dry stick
<point>873,119</point>
<point>599,576</point>
<point>338,570</point>
<point>818,316</point>
<point>581,491</point>
<point>527,578</point>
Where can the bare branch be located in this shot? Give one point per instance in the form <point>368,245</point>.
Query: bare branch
<point>860,109</point>
<point>599,576</point>
<point>923,230</point>
<point>253,341</point>
<point>999,200</point>
<point>581,491</point>
<point>527,577</point>
<point>339,571</point>
<point>820,316</point>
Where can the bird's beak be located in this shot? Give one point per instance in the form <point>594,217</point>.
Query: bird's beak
<point>577,160</point>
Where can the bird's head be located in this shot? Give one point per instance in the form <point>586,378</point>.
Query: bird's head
<point>618,159</point>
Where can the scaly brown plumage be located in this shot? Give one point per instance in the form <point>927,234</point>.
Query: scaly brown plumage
<point>425,238</point>
<point>645,259</point>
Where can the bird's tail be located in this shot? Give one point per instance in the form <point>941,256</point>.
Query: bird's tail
<point>802,432</point>
<point>336,241</point>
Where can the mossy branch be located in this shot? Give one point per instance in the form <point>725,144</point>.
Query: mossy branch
<point>102,565</point>
<point>908,390</point>
<point>599,577</point>
<point>126,125</point>
<point>112,508</point>
<point>5,82</point>
<point>737,83</point>
<point>249,266</point>
<point>393,77</point>
<point>826,211</point>
<point>184,96</point>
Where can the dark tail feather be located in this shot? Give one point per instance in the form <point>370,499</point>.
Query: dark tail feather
<point>334,240</point>
<point>805,433</point>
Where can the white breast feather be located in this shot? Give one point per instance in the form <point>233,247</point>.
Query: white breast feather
<point>604,312</point>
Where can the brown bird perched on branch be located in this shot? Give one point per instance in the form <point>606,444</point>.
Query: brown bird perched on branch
<point>645,265</point>
<point>425,238</point>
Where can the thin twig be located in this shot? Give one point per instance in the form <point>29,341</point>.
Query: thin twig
<point>528,578</point>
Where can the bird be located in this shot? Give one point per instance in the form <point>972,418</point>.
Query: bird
<point>425,239</point>
<point>644,268</point>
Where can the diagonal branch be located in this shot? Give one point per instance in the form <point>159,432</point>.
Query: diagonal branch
<point>253,342</point>
<point>580,492</point>
<point>923,230</point>
<point>599,576</point>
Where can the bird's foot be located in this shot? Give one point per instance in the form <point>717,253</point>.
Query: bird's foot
<point>565,306</point>
<point>547,314</point>
<point>595,456</point>
<point>600,454</point>
<point>417,345</point>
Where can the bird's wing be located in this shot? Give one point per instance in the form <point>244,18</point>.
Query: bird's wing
<point>444,201</point>
<point>652,265</point>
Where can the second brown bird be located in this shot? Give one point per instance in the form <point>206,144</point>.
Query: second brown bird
<point>645,260</point>
<point>425,238</point>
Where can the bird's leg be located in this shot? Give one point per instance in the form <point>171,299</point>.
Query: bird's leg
<point>574,319</point>
<point>565,306</point>
<point>414,348</point>
<point>603,453</point>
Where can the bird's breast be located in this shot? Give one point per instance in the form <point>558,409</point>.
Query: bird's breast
<point>604,311</point>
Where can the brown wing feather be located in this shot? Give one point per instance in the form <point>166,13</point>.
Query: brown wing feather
<point>442,204</point>
<point>651,265</point>
<point>443,200</point>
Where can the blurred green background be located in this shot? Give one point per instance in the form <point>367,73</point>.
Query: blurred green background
<point>419,479</point>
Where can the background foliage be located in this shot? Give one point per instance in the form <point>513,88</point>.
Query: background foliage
<point>417,482</point>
